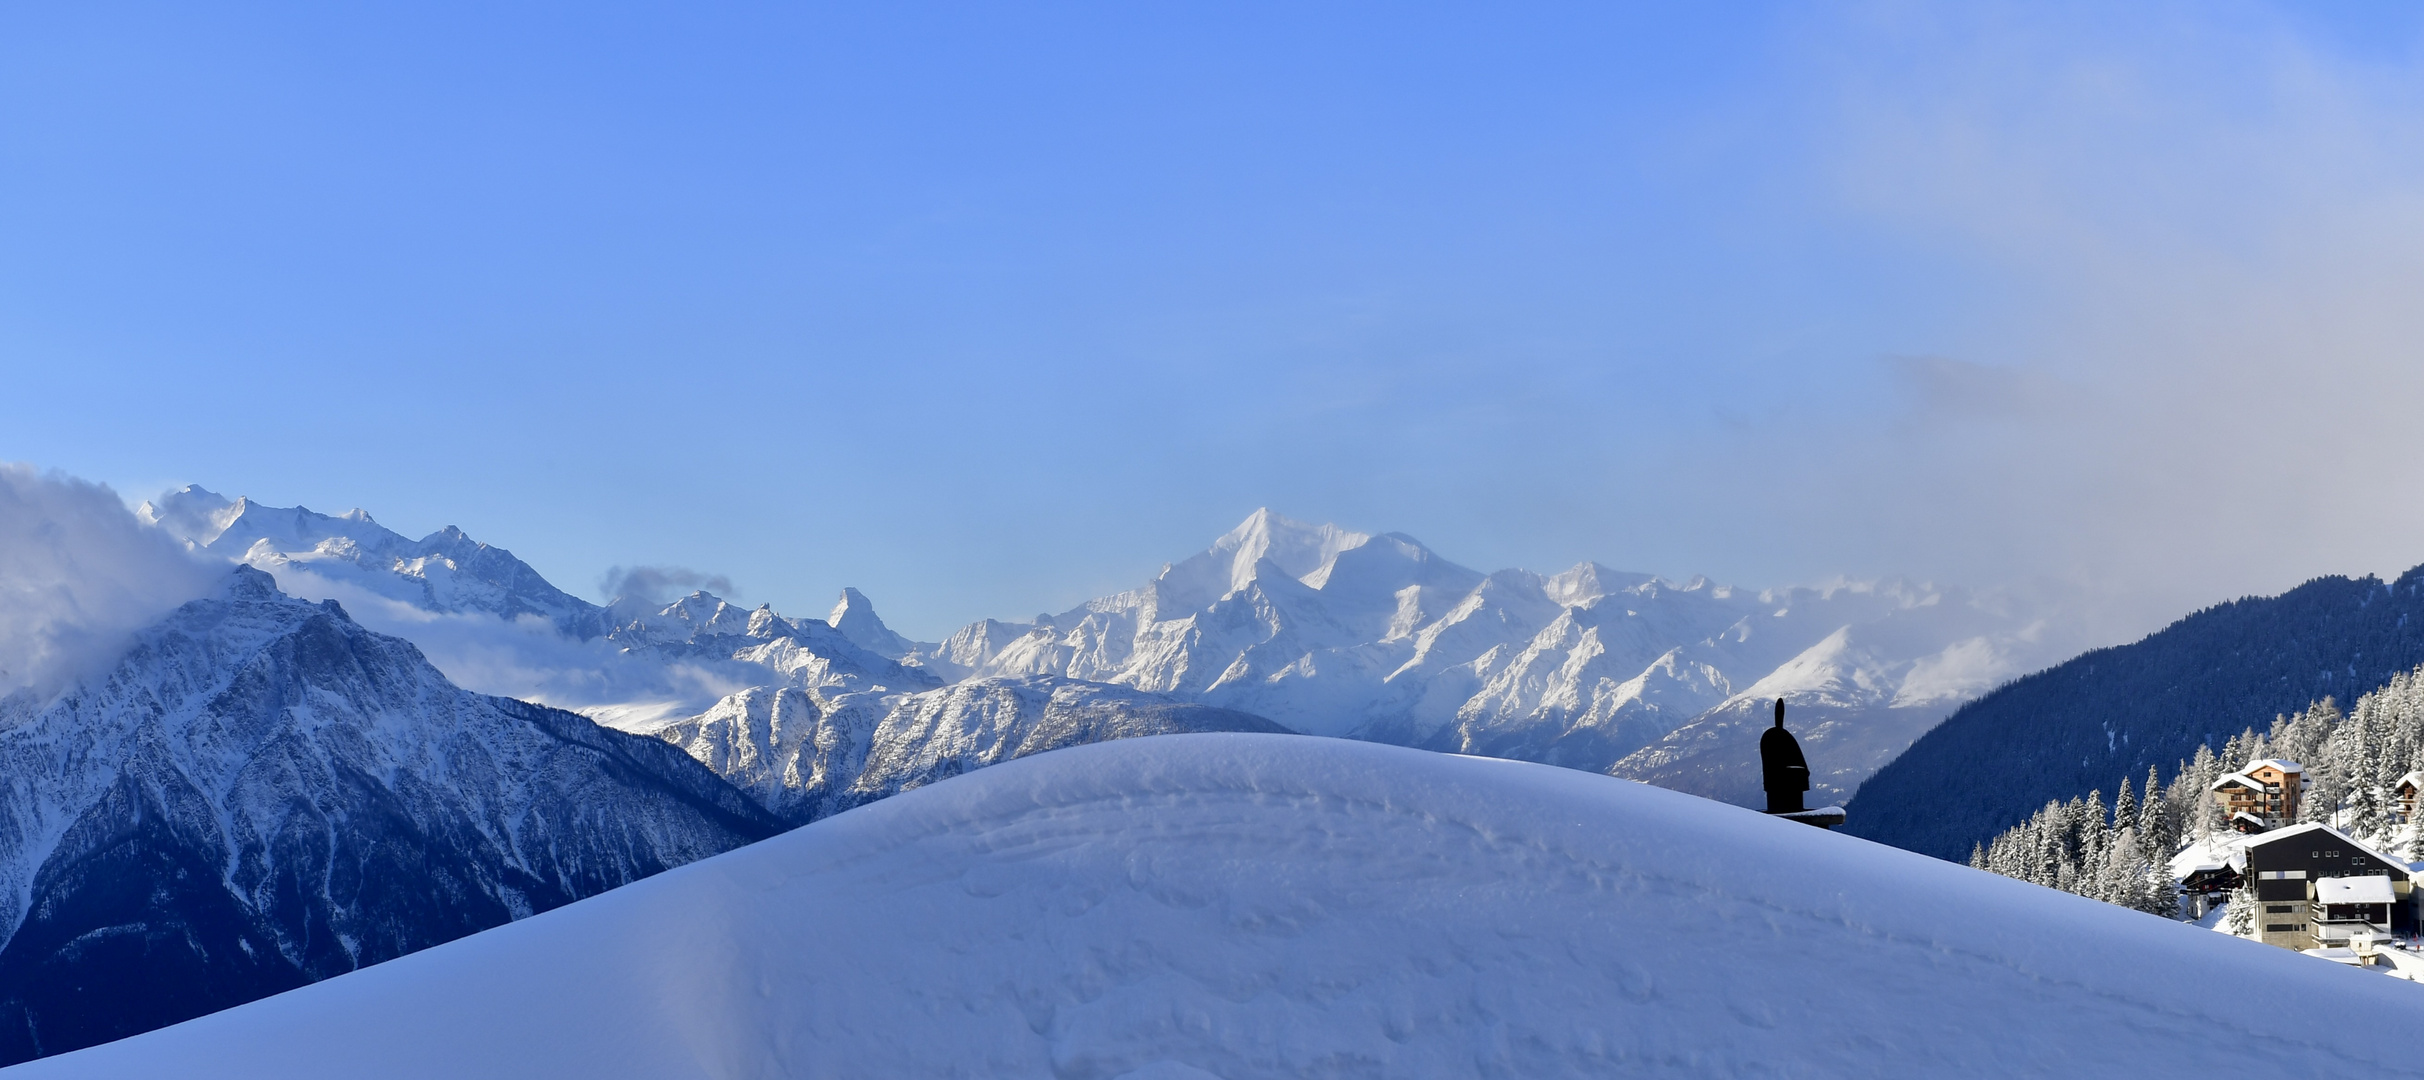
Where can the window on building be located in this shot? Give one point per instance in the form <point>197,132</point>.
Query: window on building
<point>2278,909</point>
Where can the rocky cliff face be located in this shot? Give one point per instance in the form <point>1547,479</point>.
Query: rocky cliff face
<point>810,755</point>
<point>262,793</point>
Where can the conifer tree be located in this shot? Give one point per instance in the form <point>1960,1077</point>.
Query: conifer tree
<point>2240,919</point>
<point>2352,761</point>
<point>2204,813</point>
<point>2154,818</point>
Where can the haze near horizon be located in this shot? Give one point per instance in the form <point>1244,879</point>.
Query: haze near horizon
<point>988,312</point>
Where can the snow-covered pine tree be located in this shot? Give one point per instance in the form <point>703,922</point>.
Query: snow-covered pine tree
<point>2352,761</point>
<point>2326,779</point>
<point>2156,826</point>
<point>2162,896</point>
<point>2368,811</point>
<point>2204,815</point>
<point>2095,830</point>
<point>2125,808</point>
<point>2240,919</point>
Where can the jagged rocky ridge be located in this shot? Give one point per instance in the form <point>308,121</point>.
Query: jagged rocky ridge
<point>827,714</point>
<point>262,793</point>
<point>445,571</point>
<point>811,760</point>
<point>1333,632</point>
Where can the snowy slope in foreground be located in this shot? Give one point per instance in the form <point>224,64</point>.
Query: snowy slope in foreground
<point>1269,905</point>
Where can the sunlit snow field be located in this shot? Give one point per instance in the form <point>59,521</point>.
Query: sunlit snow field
<point>1280,906</point>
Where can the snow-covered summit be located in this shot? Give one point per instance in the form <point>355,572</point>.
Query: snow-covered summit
<point>1323,629</point>
<point>262,792</point>
<point>446,571</point>
<point>854,615</point>
<point>1332,631</point>
<point>1264,906</point>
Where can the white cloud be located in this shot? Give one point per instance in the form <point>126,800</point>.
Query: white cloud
<point>78,574</point>
<point>2188,350</point>
<point>530,659</point>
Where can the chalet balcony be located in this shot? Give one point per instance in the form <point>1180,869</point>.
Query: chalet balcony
<point>2337,932</point>
<point>2351,906</point>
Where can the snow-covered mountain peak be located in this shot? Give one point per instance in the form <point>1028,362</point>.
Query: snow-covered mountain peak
<point>701,613</point>
<point>222,815</point>
<point>1293,548</point>
<point>855,617</point>
<point>246,583</point>
<point>193,513</point>
<point>447,571</point>
<point>1335,632</point>
<point>1300,548</point>
<point>1325,629</point>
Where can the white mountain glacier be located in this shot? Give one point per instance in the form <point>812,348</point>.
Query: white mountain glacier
<point>1332,632</point>
<point>1319,629</point>
<point>812,716</point>
<point>445,571</point>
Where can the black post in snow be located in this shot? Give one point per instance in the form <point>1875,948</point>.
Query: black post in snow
<point>1786,774</point>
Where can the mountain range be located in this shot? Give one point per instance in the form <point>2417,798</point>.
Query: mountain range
<point>261,793</point>
<point>1315,628</point>
<point>363,744</point>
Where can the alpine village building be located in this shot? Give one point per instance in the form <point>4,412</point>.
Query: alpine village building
<point>2316,888</point>
<point>2264,795</point>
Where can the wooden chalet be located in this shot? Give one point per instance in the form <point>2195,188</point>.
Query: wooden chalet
<point>2208,886</point>
<point>2316,888</point>
<point>2405,791</point>
<point>2262,796</point>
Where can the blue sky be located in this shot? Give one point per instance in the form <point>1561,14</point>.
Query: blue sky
<point>987,309</point>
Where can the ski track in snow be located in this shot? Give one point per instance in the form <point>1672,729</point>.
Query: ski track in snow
<point>1251,906</point>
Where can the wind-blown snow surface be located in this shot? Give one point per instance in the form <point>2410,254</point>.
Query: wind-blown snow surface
<point>1250,906</point>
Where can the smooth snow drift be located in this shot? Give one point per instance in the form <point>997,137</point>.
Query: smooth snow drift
<point>1269,905</point>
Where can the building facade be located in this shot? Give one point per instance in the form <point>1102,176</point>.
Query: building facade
<point>2262,796</point>
<point>2316,888</point>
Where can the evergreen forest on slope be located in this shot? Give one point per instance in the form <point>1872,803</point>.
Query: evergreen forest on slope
<point>2118,711</point>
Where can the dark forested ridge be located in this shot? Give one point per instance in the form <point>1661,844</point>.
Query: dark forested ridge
<point>2083,724</point>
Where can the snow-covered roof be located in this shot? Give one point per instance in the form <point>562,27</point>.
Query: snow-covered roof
<point>2277,763</point>
<point>2241,779</point>
<point>2246,816</point>
<point>2245,842</point>
<point>2354,890</point>
<point>2413,779</point>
